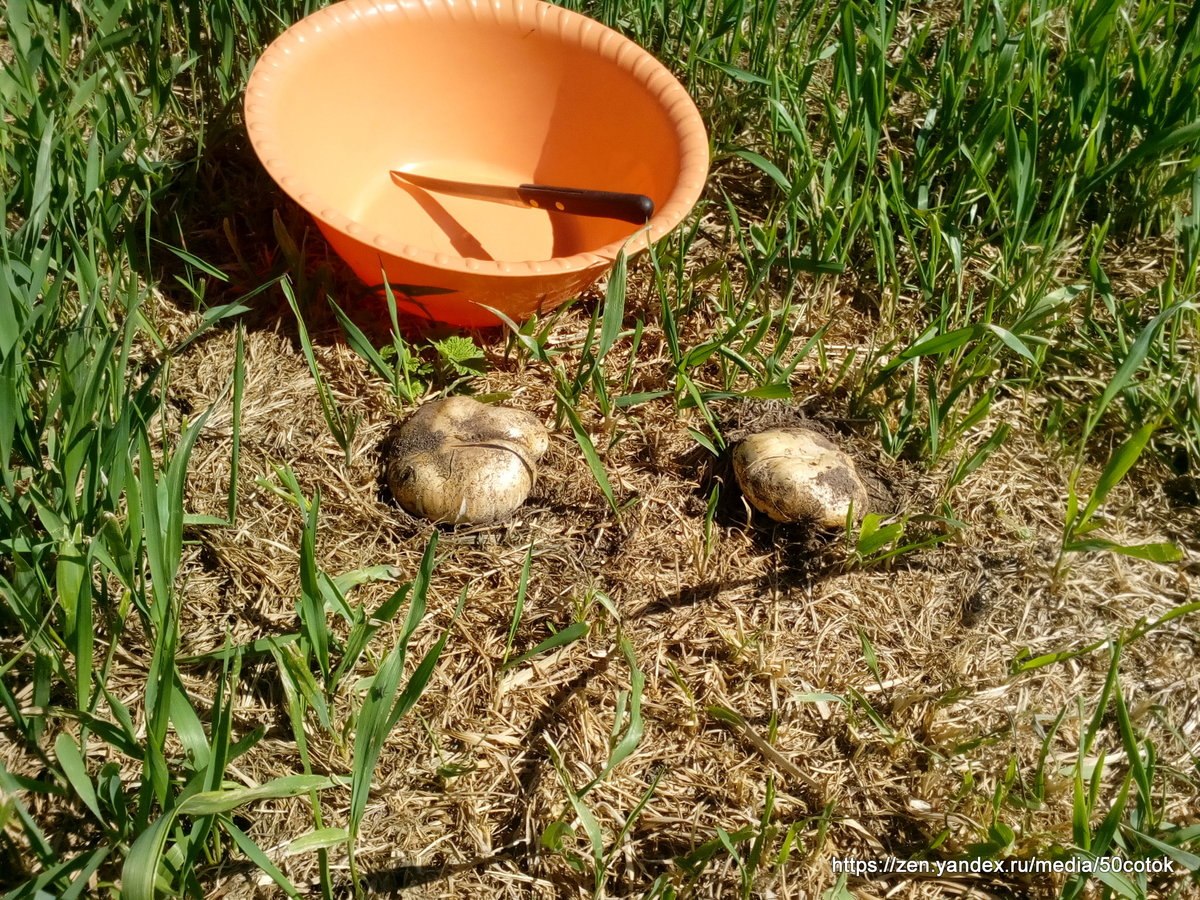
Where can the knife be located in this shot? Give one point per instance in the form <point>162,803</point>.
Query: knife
<point>636,208</point>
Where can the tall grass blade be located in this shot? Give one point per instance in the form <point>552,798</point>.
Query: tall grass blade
<point>519,605</point>
<point>589,452</point>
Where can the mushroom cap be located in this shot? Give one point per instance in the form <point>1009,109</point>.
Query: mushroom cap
<point>461,461</point>
<point>796,474</point>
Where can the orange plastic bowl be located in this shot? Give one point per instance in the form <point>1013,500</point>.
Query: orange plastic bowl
<point>506,92</point>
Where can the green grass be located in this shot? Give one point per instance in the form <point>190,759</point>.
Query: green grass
<point>968,172</point>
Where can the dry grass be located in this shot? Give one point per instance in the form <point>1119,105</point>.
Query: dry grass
<point>751,621</point>
<point>752,617</point>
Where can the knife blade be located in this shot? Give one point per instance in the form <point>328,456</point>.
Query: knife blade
<point>635,208</point>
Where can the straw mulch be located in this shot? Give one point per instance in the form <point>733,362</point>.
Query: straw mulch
<point>742,615</point>
<point>742,628</point>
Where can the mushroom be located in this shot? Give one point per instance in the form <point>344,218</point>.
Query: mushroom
<point>796,474</point>
<point>460,461</point>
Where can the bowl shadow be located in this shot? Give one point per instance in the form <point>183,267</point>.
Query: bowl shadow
<point>223,208</point>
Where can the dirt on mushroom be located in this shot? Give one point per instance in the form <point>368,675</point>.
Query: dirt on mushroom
<point>795,474</point>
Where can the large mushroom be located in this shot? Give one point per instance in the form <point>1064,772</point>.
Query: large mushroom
<point>460,461</point>
<point>796,474</point>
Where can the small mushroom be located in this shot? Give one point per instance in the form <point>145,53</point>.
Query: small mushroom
<point>460,461</point>
<point>795,474</point>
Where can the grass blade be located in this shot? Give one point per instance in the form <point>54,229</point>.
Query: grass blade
<point>519,606</point>
<point>589,452</point>
<point>1116,468</point>
<point>568,635</point>
<point>76,773</point>
<point>614,308</point>
<point>212,802</point>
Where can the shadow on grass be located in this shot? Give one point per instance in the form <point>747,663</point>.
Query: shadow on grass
<point>387,881</point>
<point>225,210</point>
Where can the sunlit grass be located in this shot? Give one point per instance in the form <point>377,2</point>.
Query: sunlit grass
<point>968,169</point>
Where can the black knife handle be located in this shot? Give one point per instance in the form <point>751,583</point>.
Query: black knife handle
<point>636,208</point>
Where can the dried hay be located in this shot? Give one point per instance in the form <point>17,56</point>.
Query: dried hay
<point>759,619</point>
<point>754,618</point>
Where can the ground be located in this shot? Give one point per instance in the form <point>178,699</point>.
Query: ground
<point>764,620</point>
<point>956,219</point>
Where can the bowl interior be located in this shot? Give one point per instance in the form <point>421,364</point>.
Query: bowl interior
<point>481,97</point>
